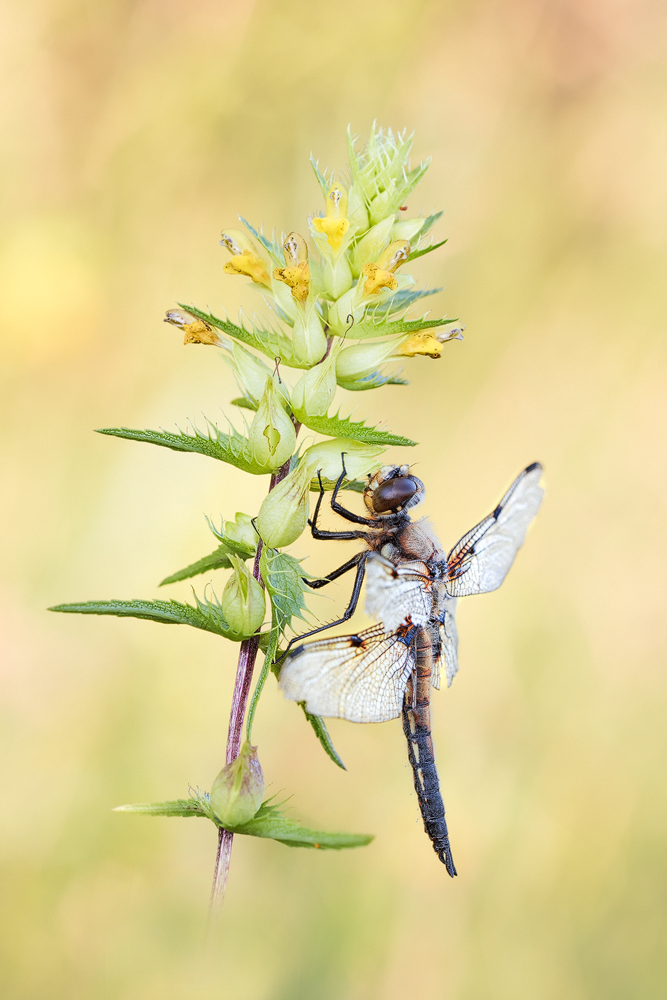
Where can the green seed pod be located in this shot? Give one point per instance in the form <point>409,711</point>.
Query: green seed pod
<point>271,435</point>
<point>308,337</point>
<point>243,600</point>
<point>283,515</point>
<point>326,456</point>
<point>314,392</point>
<point>241,531</point>
<point>360,360</point>
<point>238,790</point>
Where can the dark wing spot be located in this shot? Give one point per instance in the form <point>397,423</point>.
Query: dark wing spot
<point>355,640</point>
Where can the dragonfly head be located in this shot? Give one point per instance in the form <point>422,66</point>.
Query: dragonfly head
<point>392,490</point>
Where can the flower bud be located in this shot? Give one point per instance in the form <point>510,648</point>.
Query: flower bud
<point>326,456</point>
<point>409,229</point>
<point>336,224</point>
<point>241,531</point>
<point>243,600</point>
<point>371,245</point>
<point>296,272</point>
<point>251,373</point>
<point>245,258</point>
<point>381,274</point>
<point>283,515</point>
<point>271,435</point>
<point>196,331</point>
<point>308,338</point>
<point>238,790</point>
<point>314,392</point>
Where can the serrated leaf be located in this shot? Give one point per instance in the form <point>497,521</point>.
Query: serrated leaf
<point>232,448</point>
<point>206,615</point>
<point>402,300</point>
<point>345,428</point>
<point>420,253</point>
<point>322,733</point>
<point>269,342</point>
<point>270,246</point>
<point>372,326</point>
<point>216,560</point>
<point>283,577</point>
<point>321,179</point>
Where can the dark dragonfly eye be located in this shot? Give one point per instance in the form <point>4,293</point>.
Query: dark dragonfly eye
<point>394,493</point>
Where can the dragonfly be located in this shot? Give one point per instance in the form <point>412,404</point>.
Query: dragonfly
<point>412,587</point>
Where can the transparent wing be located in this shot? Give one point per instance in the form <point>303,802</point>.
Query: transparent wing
<point>360,678</point>
<point>448,638</point>
<point>395,591</point>
<point>480,561</point>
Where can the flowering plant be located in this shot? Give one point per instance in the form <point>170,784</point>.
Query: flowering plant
<point>340,302</point>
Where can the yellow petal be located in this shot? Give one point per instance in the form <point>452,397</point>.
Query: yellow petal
<point>377,279</point>
<point>335,230</point>
<point>424,344</point>
<point>395,255</point>
<point>200,332</point>
<point>296,274</point>
<point>249,264</point>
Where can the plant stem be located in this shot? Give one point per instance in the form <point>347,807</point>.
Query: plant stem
<point>244,670</point>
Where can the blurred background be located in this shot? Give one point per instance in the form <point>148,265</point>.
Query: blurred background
<point>132,131</point>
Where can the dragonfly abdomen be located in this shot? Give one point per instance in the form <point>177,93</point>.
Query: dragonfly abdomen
<point>416,718</point>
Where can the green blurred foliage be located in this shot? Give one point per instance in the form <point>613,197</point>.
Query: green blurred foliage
<point>131,134</point>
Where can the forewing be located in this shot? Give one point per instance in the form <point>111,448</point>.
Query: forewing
<point>360,678</point>
<point>448,637</point>
<point>395,591</point>
<point>480,561</point>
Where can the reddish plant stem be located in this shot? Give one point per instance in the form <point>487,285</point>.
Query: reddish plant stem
<point>244,671</point>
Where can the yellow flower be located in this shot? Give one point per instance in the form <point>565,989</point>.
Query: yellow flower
<point>425,344</point>
<point>196,331</point>
<point>296,273</point>
<point>245,259</point>
<point>335,225</point>
<point>381,274</point>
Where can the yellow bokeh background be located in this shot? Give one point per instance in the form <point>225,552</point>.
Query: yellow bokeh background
<point>132,132</point>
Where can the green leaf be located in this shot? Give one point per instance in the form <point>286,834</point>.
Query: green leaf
<point>244,403</point>
<point>207,615</point>
<point>402,300</point>
<point>321,178</point>
<point>322,733</point>
<point>348,484</point>
<point>271,247</point>
<point>373,381</point>
<point>216,560</point>
<point>425,250</point>
<point>179,807</point>
<point>270,822</point>
<point>283,577</point>
<point>269,342</point>
<point>345,428</point>
<point>373,325</point>
<point>232,448</point>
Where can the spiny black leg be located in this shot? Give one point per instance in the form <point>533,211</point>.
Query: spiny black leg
<point>349,611</point>
<point>347,514</point>
<point>350,564</point>
<point>330,535</point>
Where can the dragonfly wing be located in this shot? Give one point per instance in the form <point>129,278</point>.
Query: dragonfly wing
<point>480,561</point>
<point>360,678</point>
<point>395,591</point>
<point>448,638</point>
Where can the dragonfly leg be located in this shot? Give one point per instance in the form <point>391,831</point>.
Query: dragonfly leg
<point>330,535</point>
<point>349,610</point>
<point>350,564</point>
<point>343,511</point>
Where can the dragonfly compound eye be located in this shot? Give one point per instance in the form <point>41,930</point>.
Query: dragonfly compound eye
<point>395,493</point>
